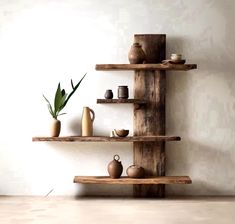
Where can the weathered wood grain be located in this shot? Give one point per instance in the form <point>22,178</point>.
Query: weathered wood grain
<point>107,139</point>
<point>134,101</point>
<point>127,180</point>
<point>154,46</point>
<point>119,67</point>
<point>150,120</point>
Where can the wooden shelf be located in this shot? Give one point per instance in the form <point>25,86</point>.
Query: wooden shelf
<point>108,139</point>
<point>134,101</point>
<point>127,180</point>
<point>109,67</point>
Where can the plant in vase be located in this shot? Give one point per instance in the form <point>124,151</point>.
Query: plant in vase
<point>60,101</point>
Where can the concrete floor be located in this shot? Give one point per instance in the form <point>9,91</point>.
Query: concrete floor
<point>61,210</point>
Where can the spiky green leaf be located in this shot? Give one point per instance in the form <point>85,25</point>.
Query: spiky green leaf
<point>63,92</point>
<point>63,99</point>
<point>74,89</point>
<point>61,114</point>
<point>50,107</point>
<point>57,100</point>
<point>72,84</point>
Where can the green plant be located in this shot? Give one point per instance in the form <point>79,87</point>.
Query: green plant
<point>61,99</point>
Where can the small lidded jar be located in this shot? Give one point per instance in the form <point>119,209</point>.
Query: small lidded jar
<point>123,92</point>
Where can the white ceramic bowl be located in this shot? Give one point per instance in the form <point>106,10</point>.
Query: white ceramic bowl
<point>176,57</point>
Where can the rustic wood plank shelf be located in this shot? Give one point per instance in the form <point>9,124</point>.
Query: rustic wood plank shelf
<point>127,180</point>
<point>107,139</point>
<point>134,101</point>
<point>148,124</point>
<point>119,67</point>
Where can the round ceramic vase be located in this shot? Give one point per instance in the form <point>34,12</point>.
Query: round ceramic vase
<point>134,171</point>
<point>136,54</point>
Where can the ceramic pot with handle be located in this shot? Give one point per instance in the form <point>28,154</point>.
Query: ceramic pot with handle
<point>115,167</point>
<point>88,117</point>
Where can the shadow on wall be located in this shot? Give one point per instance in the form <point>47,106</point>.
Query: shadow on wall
<point>209,167</point>
<point>200,108</point>
<point>84,159</point>
<point>104,190</point>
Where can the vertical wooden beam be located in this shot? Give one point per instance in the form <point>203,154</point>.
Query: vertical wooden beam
<point>150,120</point>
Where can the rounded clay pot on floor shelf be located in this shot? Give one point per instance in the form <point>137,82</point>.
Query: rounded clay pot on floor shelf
<point>136,54</point>
<point>115,167</point>
<point>134,171</point>
<point>55,128</point>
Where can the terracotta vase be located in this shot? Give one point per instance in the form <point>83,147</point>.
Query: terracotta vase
<point>87,121</point>
<point>115,167</point>
<point>136,54</point>
<point>55,128</point>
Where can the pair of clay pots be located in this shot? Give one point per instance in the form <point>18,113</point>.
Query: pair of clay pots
<point>115,169</point>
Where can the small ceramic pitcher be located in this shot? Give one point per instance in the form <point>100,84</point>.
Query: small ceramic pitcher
<point>87,121</point>
<point>115,167</point>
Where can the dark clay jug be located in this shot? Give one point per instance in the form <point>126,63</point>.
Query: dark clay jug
<point>115,167</point>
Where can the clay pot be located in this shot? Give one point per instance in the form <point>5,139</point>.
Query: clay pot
<point>108,94</point>
<point>55,128</point>
<point>123,92</point>
<point>115,167</point>
<point>136,54</point>
<point>134,171</point>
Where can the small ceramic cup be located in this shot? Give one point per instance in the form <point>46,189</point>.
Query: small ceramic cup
<point>108,94</point>
<point>176,57</point>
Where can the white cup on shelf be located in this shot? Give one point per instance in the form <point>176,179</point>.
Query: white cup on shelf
<point>176,57</point>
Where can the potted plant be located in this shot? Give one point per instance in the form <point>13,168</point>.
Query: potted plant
<point>60,101</point>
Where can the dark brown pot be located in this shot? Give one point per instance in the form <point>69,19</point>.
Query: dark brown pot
<point>115,167</point>
<point>123,92</point>
<point>134,171</point>
<point>108,94</point>
<point>136,54</point>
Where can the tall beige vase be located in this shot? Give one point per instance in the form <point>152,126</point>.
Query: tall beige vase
<point>55,128</point>
<point>88,117</point>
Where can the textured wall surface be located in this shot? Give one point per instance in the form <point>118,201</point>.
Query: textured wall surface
<point>46,42</point>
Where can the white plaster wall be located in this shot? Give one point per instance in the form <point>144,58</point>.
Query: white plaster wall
<point>44,42</point>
